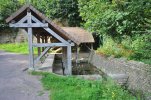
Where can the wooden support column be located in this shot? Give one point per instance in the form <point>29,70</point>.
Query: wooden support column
<point>43,42</point>
<point>69,60</point>
<point>46,39</point>
<point>77,55</point>
<point>64,60</point>
<point>38,41</point>
<point>30,41</point>
<point>91,46</point>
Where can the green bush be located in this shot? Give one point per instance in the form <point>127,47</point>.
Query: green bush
<point>7,7</point>
<point>111,47</point>
<point>62,10</point>
<point>141,47</point>
<point>126,22</point>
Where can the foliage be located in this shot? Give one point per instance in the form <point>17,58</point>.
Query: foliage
<point>7,7</point>
<point>110,47</point>
<point>62,10</point>
<point>142,48</point>
<point>116,18</point>
<point>126,23</point>
<point>72,88</point>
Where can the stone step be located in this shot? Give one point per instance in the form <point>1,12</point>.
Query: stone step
<point>90,77</point>
<point>122,79</point>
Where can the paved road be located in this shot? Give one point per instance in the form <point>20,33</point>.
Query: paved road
<point>16,84</point>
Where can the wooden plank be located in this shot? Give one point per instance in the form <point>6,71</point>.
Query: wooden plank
<point>49,45</point>
<point>42,54</point>
<point>69,61</point>
<point>31,64</point>
<point>24,25</point>
<point>51,32</point>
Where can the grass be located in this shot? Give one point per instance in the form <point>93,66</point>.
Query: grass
<point>72,88</point>
<point>16,47</point>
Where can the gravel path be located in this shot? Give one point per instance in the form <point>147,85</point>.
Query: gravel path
<point>16,84</point>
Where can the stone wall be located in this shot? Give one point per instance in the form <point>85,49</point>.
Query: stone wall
<point>138,72</point>
<point>10,36</point>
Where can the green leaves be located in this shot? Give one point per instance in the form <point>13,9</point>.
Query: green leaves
<point>117,18</point>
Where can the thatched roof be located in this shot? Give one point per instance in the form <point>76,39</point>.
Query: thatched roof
<point>77,35</point>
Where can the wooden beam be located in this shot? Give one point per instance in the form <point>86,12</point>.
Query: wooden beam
<point>31,57</point>
<point>42,54</point>
<point>56,35</point>
<point>51,32</point>
<point>24,25</point>
<point>50,45</point>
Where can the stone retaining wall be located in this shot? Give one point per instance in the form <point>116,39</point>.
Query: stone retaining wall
<point>138,72</point>
<point>9,36</point>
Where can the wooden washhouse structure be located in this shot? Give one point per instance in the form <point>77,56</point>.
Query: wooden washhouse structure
<point>48,35</point>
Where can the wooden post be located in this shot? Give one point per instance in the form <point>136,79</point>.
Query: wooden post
<point>69,60</point>
<point>30,40</point>
<point>64,60</point>
<point>38,41</point>
<point>43,42</point>
<point>46,39</point>
<point>91,46</point>
<point>77,54</point>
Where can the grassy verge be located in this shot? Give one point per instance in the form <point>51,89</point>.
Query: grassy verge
<point>72,88</point>
<point>16,47</point>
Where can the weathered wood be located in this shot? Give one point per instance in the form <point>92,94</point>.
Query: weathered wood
<point>50,45</point>
<point>69,61</point>
<point>77,54</point>
<point>38,41</point>
<point>43,43</point>
<point>24,25</point>
<point>51,32</point>
<point>31,60</point>
<point>64,60</point>
<point>42,54</point>
<point>46,39</point>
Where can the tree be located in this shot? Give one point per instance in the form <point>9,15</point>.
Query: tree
<point>117,17</point>
<point>7,7</point>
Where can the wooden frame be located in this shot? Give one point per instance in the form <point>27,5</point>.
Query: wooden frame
<point>30,22</point>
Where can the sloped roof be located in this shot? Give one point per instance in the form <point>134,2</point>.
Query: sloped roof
<point>77,35</point>
<point>80,34</point>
